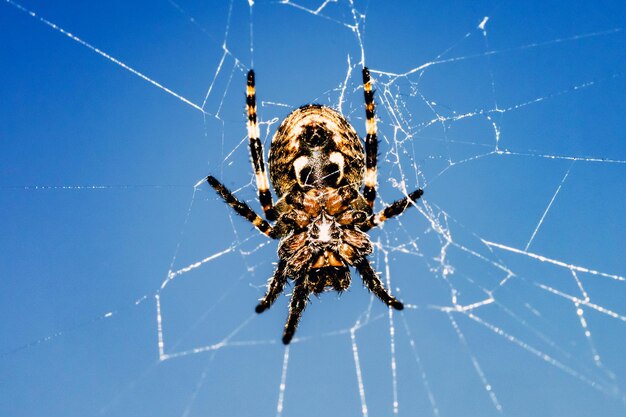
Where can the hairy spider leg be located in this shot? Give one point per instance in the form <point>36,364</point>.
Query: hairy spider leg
<point>241,208</point>
<point>394,209</point>
<point>299,299</point>
<point>275,286</point>
<point>375,285</point>
<point>371,141</point>
<point>256,151</point>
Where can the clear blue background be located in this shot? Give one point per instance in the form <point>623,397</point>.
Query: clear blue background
<point>97,206</point>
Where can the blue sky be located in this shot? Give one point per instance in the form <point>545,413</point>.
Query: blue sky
<point>510,116</point>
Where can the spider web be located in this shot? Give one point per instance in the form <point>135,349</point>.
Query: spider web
<point>130,287</point>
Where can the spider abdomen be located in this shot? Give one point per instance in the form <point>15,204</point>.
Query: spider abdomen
<point>315,147</point>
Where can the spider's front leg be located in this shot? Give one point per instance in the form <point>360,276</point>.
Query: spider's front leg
<point>371,154</point>
<point>371,140</point>
<point>375,285</point>
<point>256,151</point>
<point>241,208</point>
<point>394,209</point>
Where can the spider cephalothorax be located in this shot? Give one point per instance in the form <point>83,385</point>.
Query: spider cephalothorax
<point>317,165</point>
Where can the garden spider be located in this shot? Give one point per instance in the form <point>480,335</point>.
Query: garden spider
<point>317,165</point>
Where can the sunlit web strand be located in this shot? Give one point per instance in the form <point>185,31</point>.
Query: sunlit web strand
<point>545,213</point>
<point>86,187</point>
<point>283,384</point>
<point>418,361</point>
<point>553,261</point>
<point>359,374</point>
<point>499,51</point>
<point>199,385</point>
<point>194,21</point>
<point>224,54</point>
<point>477,367</point>
<point>586,303</point>
<point>215,346</point>
<point>173,274</point>
<point>496,110</point>
<point>344,84</point>
<point>104,54</point>
<point>597,360</point>
<point>392,342</point>
<point>63,332</point>
<point>563,157</point>
<point>317,12</point>
<point>542,355</point>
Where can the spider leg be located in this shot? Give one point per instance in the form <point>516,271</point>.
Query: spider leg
<point>256,151</point>
<point>394,209</point>
<point>241,208</point>
<point>371,140</point>
<point>375,285</point>
<point>275,286</point>
<point>299,299</point>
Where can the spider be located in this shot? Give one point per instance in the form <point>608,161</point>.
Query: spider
<point>317,165</point>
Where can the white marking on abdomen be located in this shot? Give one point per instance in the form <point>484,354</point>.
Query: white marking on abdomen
<point>337,159</point>
<point>298,166</point>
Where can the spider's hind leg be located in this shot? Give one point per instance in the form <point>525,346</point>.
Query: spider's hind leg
<point>375,285</point>
<point>298,302</point>
<point>275,286</point>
